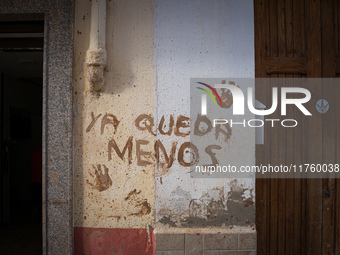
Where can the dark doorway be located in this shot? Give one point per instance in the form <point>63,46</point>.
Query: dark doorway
<point>21,68</point>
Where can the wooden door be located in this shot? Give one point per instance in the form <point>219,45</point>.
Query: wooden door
<point>299,38</point>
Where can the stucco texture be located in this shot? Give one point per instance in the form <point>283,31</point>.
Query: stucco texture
<point>113,187</point>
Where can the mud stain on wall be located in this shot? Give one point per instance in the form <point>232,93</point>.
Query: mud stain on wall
<point>101,178</point>
<point>131,193</point>
<point>213,209</point>
<point>226,96</point>
<point>164,166</point>
<point>143,204</point>
<point>109,119</point>
<point>162,126</point>
<point>93,121</point>
<point>145,208</point>
<point>182,127</point>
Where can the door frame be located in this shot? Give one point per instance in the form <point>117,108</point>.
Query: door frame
<point>57,205</point>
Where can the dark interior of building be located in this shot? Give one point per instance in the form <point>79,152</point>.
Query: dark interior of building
<point>21,94</point>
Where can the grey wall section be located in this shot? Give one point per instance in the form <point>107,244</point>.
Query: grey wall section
<point>57,118</point>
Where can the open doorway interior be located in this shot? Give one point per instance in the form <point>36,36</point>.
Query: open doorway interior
<point>21,68</point>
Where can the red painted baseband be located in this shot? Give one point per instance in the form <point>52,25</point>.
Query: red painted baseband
<point>117,241</point>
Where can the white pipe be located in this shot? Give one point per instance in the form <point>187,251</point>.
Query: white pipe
<point>98,21</point>
<point>96,54</point>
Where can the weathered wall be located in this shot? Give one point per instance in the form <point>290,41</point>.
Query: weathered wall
<point>110,191</point>
<point>201,39</point>
<point>107,118</point>
<point>153,49</point>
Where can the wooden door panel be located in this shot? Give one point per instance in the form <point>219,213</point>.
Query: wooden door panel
<point>298,38</point>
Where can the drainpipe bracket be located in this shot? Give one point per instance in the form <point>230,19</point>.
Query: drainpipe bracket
<point>95,62</point>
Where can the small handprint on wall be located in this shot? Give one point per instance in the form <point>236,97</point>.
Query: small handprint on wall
<point>102,180</point>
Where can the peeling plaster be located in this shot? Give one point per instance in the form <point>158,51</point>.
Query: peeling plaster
<point>182,51</point>
<point>211,209</point>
